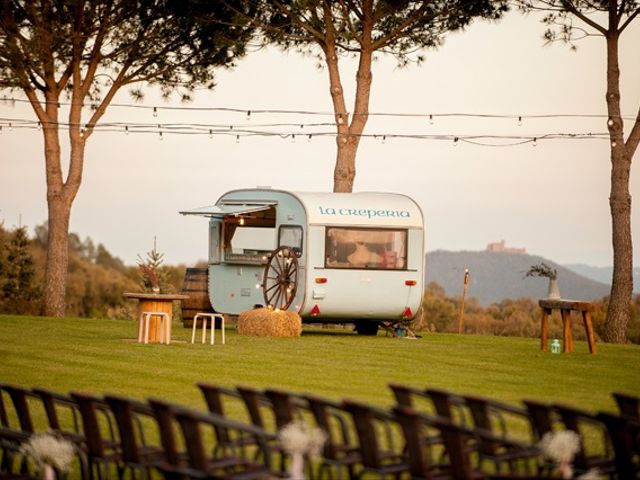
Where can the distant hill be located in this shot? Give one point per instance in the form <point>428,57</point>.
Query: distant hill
<point>495,276</point>
<point>603,274</point>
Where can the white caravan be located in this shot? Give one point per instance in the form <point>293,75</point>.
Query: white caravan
<point>331,257</point>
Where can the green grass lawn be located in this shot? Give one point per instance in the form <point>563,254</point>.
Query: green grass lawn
<point>102,356</point>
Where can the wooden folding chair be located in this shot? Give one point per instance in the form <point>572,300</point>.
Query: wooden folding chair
<point>375,430</point>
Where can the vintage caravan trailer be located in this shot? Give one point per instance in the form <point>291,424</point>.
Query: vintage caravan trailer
<point>331,257</point>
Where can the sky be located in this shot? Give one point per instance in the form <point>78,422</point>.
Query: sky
<point>550,198</point>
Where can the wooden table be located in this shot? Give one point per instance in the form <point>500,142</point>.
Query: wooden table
<point>156,302</point>
<point>566,307</point>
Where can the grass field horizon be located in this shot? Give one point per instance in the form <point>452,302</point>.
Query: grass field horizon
<point>103,356</point>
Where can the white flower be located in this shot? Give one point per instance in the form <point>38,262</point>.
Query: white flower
<point>560,446</point>
<point>298,437</point>
<point>593,474</point>
<point>45,449</point>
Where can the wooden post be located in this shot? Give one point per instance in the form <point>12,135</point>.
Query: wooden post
<point>464,295</point>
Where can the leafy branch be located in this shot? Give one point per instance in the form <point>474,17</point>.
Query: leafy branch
<point>542,270</point>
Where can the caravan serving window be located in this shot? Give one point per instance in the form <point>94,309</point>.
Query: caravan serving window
<point>249,237</point>
<point>370,248</point>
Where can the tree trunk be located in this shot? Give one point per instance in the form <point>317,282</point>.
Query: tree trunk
<point>619,310</point>
<point>349,133</point>
<point>57,257</point>
<point>60,196</point>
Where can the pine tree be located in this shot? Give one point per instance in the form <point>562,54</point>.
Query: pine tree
<point>18,290</point>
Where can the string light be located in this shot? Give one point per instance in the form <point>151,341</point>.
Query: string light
<point>520,121</point>
<point>278,129</point>
<point>293,138</point>
<point>237,138</point>
<point>384,139</point>
<point>455,141</point>
<point>155,111</point>
<point>248,114</point>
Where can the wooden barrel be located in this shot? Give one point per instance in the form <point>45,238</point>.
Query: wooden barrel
<point>196,285</point>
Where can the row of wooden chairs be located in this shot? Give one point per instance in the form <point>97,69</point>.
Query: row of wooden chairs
<point>428,434</point>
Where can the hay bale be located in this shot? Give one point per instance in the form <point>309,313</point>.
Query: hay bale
<point>264,322</point>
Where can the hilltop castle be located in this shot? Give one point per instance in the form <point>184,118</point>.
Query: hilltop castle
<point>502,248</point>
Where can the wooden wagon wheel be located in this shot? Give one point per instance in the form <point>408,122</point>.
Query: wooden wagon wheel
<point>280,280</point>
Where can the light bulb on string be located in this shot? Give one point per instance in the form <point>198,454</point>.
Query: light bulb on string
<point>160,137</point>
<point>126,129</point>
<point>82,132</point>
<point>520,121</point>
<point>237,138</point>
<point>210,133</point>
<point>309,138</point>
<point>10,127</point>
<point>248,114</point>
<point>155,111</point>
<point>384,139</point>
<point>614,144</point>
<point>535,142</point>
<point>610,122</point>
<point>430,119</point>
<point>455,141</point>
<point>39,126</point>
<point>293,138</point>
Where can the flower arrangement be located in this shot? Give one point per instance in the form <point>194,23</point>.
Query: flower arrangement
<point>49,453</point>
<point>542,270</point>
<point>298,440</point>
<point>561,447</point>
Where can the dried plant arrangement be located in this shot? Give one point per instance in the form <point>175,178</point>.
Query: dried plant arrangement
<point>542,270</point>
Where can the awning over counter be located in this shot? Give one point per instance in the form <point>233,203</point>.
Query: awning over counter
<point>229,209</point>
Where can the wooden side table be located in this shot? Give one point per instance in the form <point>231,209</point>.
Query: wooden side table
<point>156,302</point>
<point>566,307</point>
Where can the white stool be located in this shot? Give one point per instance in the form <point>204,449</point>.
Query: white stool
<point>212,318</point>
<point>165,327</point>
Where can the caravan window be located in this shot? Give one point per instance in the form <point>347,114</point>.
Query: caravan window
<point>252,240</point>
<point>248,237</point>
<point>369,248</point>
<point>291,236</point>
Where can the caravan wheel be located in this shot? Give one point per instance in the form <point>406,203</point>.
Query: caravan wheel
<point>280,280</point>
<point>367,327</point>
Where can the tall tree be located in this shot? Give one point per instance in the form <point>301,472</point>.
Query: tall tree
<point>83,52</point>
<point>335,28</point>
<point>17,279</point>
<point>609,19</point>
